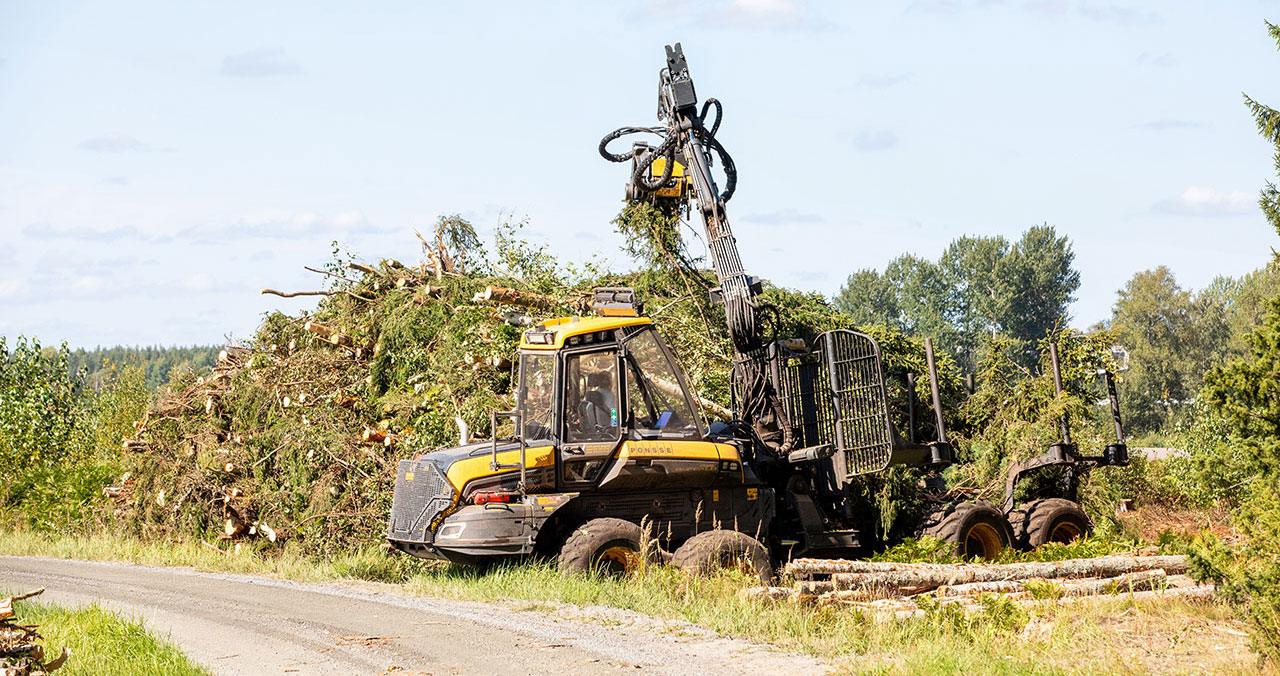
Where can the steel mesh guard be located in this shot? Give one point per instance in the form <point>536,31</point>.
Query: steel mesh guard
<point>859,401</point>
<point>418,500</point>
<point>835,394</point>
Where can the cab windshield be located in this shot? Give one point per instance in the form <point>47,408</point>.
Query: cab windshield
<point>535,395</point>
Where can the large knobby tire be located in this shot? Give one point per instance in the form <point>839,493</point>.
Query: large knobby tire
<point>1049,520</point>
<point>976,529</point>
<point>610,546</point>
<point>713,550</point>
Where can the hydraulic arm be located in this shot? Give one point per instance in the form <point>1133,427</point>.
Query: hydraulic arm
<point>686,147</point>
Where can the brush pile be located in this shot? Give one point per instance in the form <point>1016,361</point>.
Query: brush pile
<point>908,589</point>
<point>292,437</point>
<point>21,652</point>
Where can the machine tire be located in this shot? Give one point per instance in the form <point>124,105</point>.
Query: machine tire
<point>1049,520</point>
<point>611,546</point>
<point>974,528</point>
<point>713,550</point>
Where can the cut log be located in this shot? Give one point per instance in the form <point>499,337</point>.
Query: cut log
<point>363,268</point>
<point>502,294</point>
<point>1103,566</point>
<point>234,527</point>
<point>766,593</point>
<point>426,292</point>
<point>318,329</point>
<point>923,576</point>
<point>295,294</point>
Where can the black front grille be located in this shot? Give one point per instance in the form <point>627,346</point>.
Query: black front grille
<point>422,493</point>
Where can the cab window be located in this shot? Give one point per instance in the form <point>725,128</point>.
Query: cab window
<point>591,398</point>
<point>656,401</point>
<point>534,396</point>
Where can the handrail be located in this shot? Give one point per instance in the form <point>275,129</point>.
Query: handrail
<point>518,418</point>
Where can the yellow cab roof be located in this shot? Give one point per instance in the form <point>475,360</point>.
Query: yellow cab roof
<point>566,327</point>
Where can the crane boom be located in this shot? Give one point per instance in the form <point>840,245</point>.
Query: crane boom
<point>689,144</point>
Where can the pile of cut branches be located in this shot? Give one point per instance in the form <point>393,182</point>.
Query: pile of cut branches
<point>21,652</point>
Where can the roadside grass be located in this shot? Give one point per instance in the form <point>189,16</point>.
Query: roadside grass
<point>1119,636</point>
<point>103,643</point>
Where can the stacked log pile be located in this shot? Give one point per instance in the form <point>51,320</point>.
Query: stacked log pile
<point>904,589</point>
<point>21,650</point>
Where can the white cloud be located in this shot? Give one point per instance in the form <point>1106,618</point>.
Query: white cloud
<point>1195,201</point>
<point>201,281</point>
<point>287,225</point>
<point>113,143</point>
<point>1166,124</point>
<point>259,63</point>
<point>788,216</point>
<point>82,233</point>
<point>88,285</point>
<point>882,81</point>
<point>759,13</point>
<point>14,289</point>
<point>872,141</point>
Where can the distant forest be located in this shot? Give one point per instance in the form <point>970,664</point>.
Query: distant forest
<point>155,361</point>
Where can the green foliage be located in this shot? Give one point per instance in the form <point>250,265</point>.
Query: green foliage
<point>1015,414</point>
<point>1173,336</point>
<point>1244,395</point>
<point>155,361</point>
<point>103,643</point>
<point>59,440</point>
<point>979,287</point>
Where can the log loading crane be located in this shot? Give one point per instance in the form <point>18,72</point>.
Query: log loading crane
<point>608,441</point>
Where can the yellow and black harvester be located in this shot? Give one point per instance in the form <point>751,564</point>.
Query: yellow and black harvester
<point>609,460</point>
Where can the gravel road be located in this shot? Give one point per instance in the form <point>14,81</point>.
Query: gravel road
<point>241,624</point>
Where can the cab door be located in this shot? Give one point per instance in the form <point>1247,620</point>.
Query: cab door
<point>592,415</point>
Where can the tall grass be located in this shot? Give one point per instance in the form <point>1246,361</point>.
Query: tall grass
<point>103,643</point>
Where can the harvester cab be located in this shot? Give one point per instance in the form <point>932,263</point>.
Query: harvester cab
<point>604,424</point>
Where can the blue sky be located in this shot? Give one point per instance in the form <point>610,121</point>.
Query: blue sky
<point>162,162</point>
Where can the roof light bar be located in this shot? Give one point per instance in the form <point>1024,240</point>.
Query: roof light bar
<point>615,301</point>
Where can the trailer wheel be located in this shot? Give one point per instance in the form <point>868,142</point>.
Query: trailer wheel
<point>714,550</point>
<point>610,546</point>
<point>1049,520</point>
<point>977,529</point>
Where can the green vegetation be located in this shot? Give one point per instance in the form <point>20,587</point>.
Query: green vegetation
<point>157,363</point>
<point>981,286</point>
<point>102,643</point>
<point>59,440</point>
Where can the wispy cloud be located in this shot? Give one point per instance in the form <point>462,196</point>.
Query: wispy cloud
<point>113,143</point>
<point>1121,15</point>
<point>883,81</point>
<point>787,216</point>
<point>82,233</point>
<point>810,276</point>
<point>874,141</point>
<point>1165,60</point>
<point>1163,125</point>
<point>14,289</point>
<point>259,63</point>
<point>116,180</point>
<point>287,226</point>
<point>779,15</point>
<point>1196,201</point>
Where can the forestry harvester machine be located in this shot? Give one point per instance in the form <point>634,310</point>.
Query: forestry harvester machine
<point>607,440</point>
